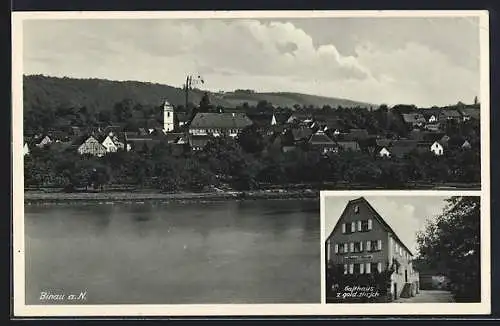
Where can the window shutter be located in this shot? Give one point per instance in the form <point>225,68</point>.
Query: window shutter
<point>353,226</point>
<point>359,225</point>
<point>343,227</point>
<point>345,268</point>
<point>336,248</point>
<point>351,268</point>
<point>379,244</point>
<point>368,245</point>
<point>368,266</point>
<point>352,246</point>
<point>361,246</point>
<point>370,224</point>
<point>379,267</point>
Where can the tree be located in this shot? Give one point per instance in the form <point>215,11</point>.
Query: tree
<point>251,140</point>
<point>451,244</point>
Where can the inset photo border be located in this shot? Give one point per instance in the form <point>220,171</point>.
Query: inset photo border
<point>427,249</point>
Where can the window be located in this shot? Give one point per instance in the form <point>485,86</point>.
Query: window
<point>348,227</point>
<point>379,267</point>
<point>345,268</point>
<point>168,114</point>
<point>379,244</point>
<point>361,268</point>
<point>346,247</point>
<point>360,226</point>
<point>368,268</point>
<point>368,245</point>
<point>400,251</point>
<point>353,226</point>
<point>351,268</point>
<point>370,224</point>
<point>328,251</point>
<point>336,248</point>
<point>344,229</point>
<point>356,209</point>
<point>351,247</point>
<point>358,246</point>
<point>358,268</point>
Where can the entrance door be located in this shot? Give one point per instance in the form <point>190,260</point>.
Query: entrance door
<point>395,291</point>
<point>406,276</point>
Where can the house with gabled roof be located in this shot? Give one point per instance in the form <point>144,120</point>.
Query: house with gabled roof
<point>362,242</point>
<point>218,124</point>
<point>347,145</point>
<point>321,142</point>
<point>92,146</point>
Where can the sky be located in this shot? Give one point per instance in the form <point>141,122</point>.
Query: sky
<point>406,215</point>
<point>421,61</point>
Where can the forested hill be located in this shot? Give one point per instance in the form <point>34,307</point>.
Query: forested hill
<point>98,95</point>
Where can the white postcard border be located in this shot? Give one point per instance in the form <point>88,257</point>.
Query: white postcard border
<point>22,310</point>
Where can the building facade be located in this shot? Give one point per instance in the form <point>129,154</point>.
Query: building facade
<point>93,147</point>
<point>218,124</point>
<point>363,243</point>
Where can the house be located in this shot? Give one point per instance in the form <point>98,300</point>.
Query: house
<point>217,124</point>
<point>435,127</point>
<point>45,141</point>
<point>431,115</point>
<point>112,143</point>
<point>437,148</point>
<point>362,242</point>
<point>384,152</point>
<point>93,147</point>
<point>198,142</point>
<point>348,145</point>
<point>301,133</point>
<point>470,113</point>
<point>321,142</point>
<point>466,145</point>
<point>141,143</point>
<point>26,149</point>
<point>413,119</point>
<point>451,115</point>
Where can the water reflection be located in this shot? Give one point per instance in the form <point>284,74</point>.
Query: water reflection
<point>221,252</point>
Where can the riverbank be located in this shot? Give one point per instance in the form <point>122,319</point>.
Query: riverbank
<point>54,197</point>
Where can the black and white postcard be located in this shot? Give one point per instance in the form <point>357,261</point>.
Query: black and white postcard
<point>402,249</point>
<point>174,163</point>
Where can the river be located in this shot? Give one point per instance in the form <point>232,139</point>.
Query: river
<point>262,251</point>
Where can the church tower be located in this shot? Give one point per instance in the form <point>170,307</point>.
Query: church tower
<point>168,117</point>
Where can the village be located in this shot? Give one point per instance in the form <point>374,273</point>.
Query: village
<point>382,133</point>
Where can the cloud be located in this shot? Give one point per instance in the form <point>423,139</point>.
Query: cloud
<point>243,53</point>
<point>405,215</point>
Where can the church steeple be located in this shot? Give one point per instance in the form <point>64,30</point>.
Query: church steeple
<point>168,117</point>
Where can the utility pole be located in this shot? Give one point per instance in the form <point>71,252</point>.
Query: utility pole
<point>189,85</point>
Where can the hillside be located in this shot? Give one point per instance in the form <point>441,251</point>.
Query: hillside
<point>101,95</point>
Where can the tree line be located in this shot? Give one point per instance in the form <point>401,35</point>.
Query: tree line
<point>244,163</point>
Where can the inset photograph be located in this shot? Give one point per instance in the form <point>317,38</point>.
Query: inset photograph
<point>402,249</point>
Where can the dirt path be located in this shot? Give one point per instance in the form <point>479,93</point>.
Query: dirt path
<point>429,296</point>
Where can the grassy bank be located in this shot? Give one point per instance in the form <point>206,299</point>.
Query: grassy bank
<point>47,197</point>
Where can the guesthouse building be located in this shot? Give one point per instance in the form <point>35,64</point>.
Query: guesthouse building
<point>363,243</point>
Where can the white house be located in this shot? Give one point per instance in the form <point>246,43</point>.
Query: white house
<point>168,117</point>
<point>26,149</point>
<point>437,148</point>
<point>45,141</point>
<point>433,118</point>
<point>273,120</point>
<point>384,152</point>
<point>466,145</point>
<point>109,144</point>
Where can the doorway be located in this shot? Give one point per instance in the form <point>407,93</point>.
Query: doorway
<point>395,291</point>
<point>406,276</point>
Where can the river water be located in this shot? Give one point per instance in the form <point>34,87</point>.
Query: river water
<point>263,251</point>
